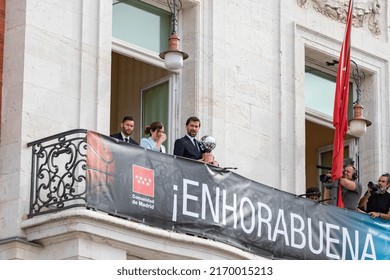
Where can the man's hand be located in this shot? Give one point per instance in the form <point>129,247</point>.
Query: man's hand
<point>375,214</point>
<point>207,157</point>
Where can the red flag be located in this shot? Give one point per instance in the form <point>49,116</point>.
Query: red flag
<point>340,111</point>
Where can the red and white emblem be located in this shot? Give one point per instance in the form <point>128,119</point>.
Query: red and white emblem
<point>143,180</point>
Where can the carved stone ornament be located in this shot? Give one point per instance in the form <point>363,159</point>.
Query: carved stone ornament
<point>337,9</point>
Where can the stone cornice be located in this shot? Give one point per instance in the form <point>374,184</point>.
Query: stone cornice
<point>138,239</point>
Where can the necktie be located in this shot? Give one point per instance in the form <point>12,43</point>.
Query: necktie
<point>127,140</point>
<point>196,144</point>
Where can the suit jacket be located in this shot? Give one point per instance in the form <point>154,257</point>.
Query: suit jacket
<point>119,136</point>
<point>185,148</point>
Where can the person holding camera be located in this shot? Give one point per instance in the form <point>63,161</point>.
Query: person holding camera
<point>376,201</point>
<point>351,188</point>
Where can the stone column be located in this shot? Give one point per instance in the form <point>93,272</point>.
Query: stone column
<point>57,67</point>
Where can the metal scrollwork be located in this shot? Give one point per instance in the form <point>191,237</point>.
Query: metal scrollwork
<point>58,172</point>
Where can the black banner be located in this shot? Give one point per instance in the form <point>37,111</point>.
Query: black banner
<point>187,196</point>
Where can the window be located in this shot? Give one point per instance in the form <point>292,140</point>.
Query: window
<point>320,90</point>
<point>141,24</point>
<point>155,106</point>
<point>139,85</point>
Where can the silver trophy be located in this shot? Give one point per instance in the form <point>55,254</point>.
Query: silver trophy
<point>208,143</point>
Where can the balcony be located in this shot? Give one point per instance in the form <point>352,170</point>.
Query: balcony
<point>58,173</point>
<point>93,197</point>
<point>64,226</point>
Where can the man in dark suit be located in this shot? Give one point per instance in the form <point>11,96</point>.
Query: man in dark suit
<point>189,147</point>
<point>127,126</point>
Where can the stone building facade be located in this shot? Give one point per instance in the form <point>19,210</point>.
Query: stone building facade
<point>245,78</point>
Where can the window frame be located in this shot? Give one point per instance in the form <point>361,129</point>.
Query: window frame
<point>318,116</point>
<point>149,57</point>
<point>168,128</point>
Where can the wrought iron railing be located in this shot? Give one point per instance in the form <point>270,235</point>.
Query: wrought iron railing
<point>58,170</point>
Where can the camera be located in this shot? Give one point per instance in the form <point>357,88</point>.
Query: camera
<point>373,187</point>
<point>324,178</point>
<point>327,182</point>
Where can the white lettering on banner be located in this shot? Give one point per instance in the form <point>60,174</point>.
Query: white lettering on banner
<point>174,212</point>
<point>330,241</point>
<point>267,220</point>
<point>206,197</point>
<point>145,199</point>
<point>251,215</point>
<point>297,231</point>
<point>141,201</point>
<point>245,215</point>
<point>187,197</point>
<point>226,207</point>
<point>320,237</point>
<point>145,205</point>
<point>369,244</point>
<point>347,239</point>
<point>280,220</point>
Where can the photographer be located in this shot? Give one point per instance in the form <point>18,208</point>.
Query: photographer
<point>376,201</point>
<point>351,188</point>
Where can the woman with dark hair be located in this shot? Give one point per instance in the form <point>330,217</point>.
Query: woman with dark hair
<point>156,138</point>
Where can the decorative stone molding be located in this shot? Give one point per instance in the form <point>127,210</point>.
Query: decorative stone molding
<point>337,9</point>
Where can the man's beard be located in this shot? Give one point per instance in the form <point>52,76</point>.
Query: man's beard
<point>382,190</point>
<point>192,134</point>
